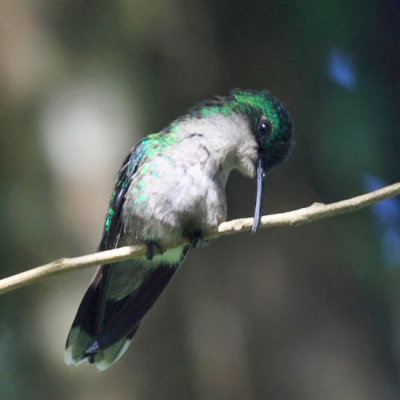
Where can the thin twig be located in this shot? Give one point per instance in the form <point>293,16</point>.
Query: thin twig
<point>292,218</point>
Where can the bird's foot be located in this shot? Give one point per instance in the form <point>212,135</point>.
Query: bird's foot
<point>152,248</point>
<point>195,238</point>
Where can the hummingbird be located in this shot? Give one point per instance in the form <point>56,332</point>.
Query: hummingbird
<point>171,186</point>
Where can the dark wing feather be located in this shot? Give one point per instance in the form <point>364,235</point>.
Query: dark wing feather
<point>114,224</point>
<point>90,315</point>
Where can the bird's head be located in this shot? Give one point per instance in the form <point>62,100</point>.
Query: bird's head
<point>270,123</point>
<point>271,126</point>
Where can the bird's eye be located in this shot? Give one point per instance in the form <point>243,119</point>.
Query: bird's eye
<point>264,127</point>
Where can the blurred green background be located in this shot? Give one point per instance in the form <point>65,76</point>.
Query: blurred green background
<point>291,313</point>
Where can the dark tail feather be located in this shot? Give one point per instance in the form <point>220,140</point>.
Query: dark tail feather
<point>134,307</point>
<point>84,325</point>
<point>104,327</point>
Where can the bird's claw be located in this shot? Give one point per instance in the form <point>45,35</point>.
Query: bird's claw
<point>152,248</point>
<point>195,238</point>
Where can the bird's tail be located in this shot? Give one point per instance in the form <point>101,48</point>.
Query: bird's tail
<point>115,303</point>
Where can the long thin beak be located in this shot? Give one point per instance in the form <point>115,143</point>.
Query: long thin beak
<point>260,190</point>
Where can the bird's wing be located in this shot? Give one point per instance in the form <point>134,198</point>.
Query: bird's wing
<point>114,224</point>
<point>92,311</point>
<point>119,294</point>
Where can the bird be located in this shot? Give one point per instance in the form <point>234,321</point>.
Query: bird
<point>171,187</point>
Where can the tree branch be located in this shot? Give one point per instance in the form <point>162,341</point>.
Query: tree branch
<point>292,218</point>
